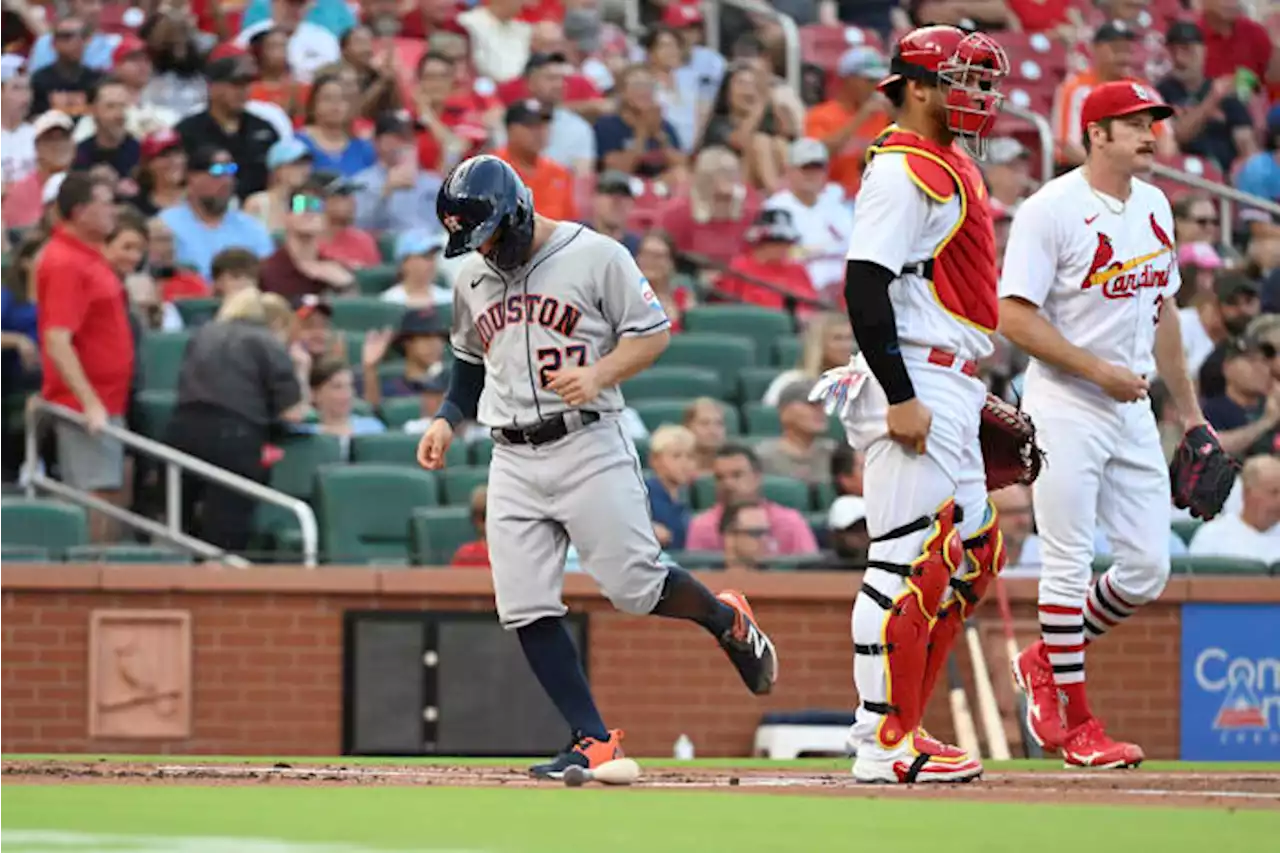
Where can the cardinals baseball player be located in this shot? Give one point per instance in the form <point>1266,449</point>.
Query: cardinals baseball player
<point>1087,290</point>
<point>921,290</point>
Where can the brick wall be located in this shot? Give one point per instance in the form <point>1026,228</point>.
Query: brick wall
<point>268,655</point>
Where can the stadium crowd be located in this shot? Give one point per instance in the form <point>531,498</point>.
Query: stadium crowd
<point>233,204</point>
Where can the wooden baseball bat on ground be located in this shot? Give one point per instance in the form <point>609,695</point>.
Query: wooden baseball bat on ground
<point>992,725</point>
<point>961,716</point>
<point>1029,747</point>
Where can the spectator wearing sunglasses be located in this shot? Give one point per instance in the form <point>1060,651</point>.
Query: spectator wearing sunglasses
<point>229,126</point>
<point>296,269</point>
<point>204,224</point>
<point>744,527</point>
<point>96,45</point>
<point>65,82</point>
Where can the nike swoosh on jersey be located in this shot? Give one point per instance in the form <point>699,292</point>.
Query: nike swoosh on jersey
<point>1089,220</point>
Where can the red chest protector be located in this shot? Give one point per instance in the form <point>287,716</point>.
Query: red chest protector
<point>962,271</point>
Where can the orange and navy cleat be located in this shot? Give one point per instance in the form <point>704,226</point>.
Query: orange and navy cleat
<point>1034,677</point>
<point>1089,745</point>
<point>749,648</point>
<point>585,751</point>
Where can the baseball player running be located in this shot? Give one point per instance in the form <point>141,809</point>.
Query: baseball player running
<point>921,291</point>
<point>548,318</point>
<point>1087,290</point>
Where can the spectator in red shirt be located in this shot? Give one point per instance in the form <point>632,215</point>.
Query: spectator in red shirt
<point>83,321</point>
<point>342,241</point>
<point>276,83</point>
<point>1232,41</point>
<point>712,218</point>
<point>427,17</point>
<point>772,239</point>
<point>54,152</point>
<point>475,554</point>
<point>451,125</point>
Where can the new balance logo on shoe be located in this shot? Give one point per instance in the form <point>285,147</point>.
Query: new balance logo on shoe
<point>756,640</point>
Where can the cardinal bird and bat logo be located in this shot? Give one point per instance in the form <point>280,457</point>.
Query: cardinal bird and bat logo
<point>1123,279</point>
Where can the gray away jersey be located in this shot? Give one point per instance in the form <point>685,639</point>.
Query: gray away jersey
<point>578,295</point>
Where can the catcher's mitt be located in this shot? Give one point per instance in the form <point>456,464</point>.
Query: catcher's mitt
<point>1202,473</point>
<point>1009,450</point>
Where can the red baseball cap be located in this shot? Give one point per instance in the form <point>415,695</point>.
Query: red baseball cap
<point>128,46</point>
<point>1122,98</point>
<point>159,141</point>
<point>679,15</point>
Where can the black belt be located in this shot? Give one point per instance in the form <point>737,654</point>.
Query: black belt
<point>546,431</point>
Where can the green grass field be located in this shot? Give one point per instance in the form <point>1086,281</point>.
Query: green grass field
<point>275,818</point>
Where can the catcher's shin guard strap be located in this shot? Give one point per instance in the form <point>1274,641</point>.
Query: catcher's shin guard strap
<point>984,560</point>
<point>904,633</point>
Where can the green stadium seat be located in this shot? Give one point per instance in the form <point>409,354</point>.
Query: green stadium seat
<point>295,475</point>
<point>435,533</point>
<point>642,450</point>
<point>698,560</point>
<point>824,495</point>
<point>786,351</point>
<point>762,325</point>
<point>726,354</point>
<point>355,344</point>
<point>162,354</point>
<point>674,382</point>
<point>458,483</point>
<point>762,419</point>
<point>1187,529</point>
<point>398,411</point>
<point>387,247</point>
<point>373,280</point>
<point>480,451</point>
<point>786,491</point>
<point>655,413</point>
<point>24,554</point>
<point>1217,566</point>
<point>42,523</point>
<point>127,553</point>
<point>364,313</point>
<point>780,490</point>
<point>197,312</point>
<point>364,510</point>
<point>399,448</point>
<point>754,381</point>
<point>153,410</point>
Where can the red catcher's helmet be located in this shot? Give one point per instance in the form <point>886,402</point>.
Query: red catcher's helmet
<point>968,67</point>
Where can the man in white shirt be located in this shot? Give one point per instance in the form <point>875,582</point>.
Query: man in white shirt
<point>1253,533</point>
<point>500,44</point>
<point>310,45</point>
<point>818,210</point>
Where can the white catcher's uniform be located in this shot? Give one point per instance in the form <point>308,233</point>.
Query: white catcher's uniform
<point>1101,278</point>
<point>898,222</point>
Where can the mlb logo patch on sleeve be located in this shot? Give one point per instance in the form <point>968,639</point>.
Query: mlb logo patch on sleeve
<point>650,298</point>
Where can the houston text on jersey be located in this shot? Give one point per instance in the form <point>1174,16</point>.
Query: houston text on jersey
<point>546,311</point>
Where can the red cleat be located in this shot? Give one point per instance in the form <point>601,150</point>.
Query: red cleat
<point>1034,677</point>
<point>1088,745</point>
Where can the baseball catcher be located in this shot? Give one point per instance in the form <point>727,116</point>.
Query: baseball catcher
<point>921,289</point>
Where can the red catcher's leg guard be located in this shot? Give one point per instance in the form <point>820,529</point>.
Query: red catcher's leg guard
<point>985,560</point>
<point>905,635</point>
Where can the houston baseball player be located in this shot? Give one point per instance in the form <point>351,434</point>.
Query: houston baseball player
<point>548,318</point>
<point>1087,290</point>
<point>921,290</point>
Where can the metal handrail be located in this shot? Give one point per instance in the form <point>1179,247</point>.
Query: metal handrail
<point>1043,130</point>
<point>790,32</point>
<point>175,463</point>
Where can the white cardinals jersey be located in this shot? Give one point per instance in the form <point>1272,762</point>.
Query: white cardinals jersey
<point>1099,269</point>
<point>896,225</point>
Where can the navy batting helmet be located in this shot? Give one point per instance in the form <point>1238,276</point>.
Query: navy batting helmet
<point>483,197</point>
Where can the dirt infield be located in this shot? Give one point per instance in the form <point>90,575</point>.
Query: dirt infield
<point>1124,787</point>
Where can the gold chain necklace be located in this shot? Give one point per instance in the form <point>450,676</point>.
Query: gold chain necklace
<point>1106,202</point>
